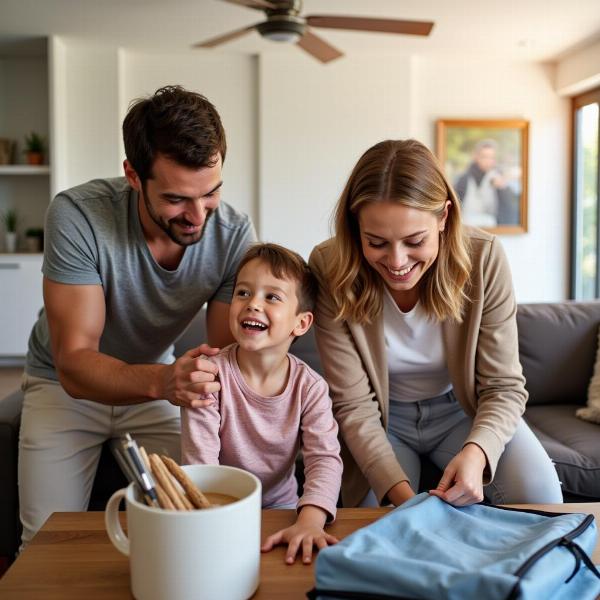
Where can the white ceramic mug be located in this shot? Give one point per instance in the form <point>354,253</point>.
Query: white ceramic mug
<point>201,554</point>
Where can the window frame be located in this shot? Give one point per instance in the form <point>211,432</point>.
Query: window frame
<point>578,102</point>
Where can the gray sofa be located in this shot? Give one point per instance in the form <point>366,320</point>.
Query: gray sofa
<point>557,345</point>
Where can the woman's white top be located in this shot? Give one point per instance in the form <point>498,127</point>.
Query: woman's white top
<point>415,353</point>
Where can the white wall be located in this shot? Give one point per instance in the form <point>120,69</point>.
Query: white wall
<point>84,102</point>
<point>296,128</point>
<point>315,122</point>
<point>579,71</point>
<point>472,88</point>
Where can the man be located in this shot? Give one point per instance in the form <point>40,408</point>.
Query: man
<point>487,200</point>
<point>128,263</point>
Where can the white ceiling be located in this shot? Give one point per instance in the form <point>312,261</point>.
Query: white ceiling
<point>535,30</point>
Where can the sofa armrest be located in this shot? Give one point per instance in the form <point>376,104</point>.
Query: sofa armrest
<point>10,420</point>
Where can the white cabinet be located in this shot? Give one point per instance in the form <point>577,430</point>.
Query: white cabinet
<point>20,301</point>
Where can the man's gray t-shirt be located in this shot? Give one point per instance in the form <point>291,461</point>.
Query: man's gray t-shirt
<point>93,236</point>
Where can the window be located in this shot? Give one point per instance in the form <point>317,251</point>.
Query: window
<point>585,261</point>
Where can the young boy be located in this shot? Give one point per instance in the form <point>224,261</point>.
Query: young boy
<point>271,404</point>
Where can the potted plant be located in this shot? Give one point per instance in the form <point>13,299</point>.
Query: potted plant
<point>9,218</point>
<point>34,148</point>
<point>34,239</point>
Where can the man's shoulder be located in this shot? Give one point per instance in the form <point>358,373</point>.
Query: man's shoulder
<point>98,189</point>
<point>102,203</point>
<point>228,217</point>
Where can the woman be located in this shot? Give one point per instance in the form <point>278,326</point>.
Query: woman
<point>417,333</point>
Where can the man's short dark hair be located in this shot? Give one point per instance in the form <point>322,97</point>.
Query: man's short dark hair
<point>286,264</point>
<point>182,125</point>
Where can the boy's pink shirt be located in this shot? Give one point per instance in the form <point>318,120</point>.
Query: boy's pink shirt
<point>263,434</point>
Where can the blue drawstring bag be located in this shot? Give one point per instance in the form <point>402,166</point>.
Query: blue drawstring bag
<point>427,548</point>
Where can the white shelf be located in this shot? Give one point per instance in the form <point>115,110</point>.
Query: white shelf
<point>20,255</point>
<point>24,169</point>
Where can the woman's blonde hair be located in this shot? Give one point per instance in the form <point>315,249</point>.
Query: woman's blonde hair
<point>405,172</point>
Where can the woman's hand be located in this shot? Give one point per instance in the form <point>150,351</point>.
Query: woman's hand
<point>305,533</point>
<point>400,493</point>
<point>462,481</point>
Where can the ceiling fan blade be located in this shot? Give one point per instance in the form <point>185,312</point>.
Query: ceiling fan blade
<point>318,47</point>
<point>258,4</point>
<point>226,37</point>
<point>370,24</point>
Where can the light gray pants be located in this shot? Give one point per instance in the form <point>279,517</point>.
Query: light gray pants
<point>438,428</point>
<point>60,443</point>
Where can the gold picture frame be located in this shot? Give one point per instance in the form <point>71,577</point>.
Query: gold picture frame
<point>486,164</point>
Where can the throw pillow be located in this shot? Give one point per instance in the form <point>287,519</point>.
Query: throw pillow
<point>592,411</point>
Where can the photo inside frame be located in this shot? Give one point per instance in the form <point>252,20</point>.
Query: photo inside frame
<point>486,163</point>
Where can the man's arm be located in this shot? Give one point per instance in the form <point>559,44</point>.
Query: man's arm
<point>217,324</point>
<point>76,316</point>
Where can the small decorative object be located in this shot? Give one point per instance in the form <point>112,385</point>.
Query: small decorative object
<point>486,163</point>
<point>34,148</point>
<point>9,218</point>
<point>34,239</point>
<point>6,151</point>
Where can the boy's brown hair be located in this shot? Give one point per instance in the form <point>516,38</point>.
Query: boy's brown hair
<point>286,264</point>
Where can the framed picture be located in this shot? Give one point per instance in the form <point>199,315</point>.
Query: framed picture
<point>486,163</point>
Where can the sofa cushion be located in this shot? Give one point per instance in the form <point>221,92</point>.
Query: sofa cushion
<point>557,348</point>
<point>572,444</point>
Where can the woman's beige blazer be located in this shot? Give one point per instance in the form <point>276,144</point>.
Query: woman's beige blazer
<point>482,355</point>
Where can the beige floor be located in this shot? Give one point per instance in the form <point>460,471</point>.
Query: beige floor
<point>10,380</point>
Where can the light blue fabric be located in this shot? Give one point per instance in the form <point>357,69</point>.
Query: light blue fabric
<point>427,548</point>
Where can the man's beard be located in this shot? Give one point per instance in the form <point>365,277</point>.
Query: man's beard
<point>183,239</point>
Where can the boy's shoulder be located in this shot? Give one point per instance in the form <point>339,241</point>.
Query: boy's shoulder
<point>224,357</point>
<point>304,374</point>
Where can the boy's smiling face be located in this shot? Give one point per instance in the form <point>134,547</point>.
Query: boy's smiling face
<point>264,310</point>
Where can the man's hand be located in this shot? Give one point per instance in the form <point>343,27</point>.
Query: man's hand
<point>305,533</point>
<point>462,481</point>
<point>190,380</point>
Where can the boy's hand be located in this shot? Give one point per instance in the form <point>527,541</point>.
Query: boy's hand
<point>306,532</point>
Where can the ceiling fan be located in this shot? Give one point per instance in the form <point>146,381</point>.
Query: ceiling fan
<point>284,23</point>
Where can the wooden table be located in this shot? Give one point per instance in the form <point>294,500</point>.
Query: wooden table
<point>71,557</point>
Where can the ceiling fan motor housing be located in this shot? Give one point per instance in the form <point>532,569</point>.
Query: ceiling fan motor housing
<point>282,27</point>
